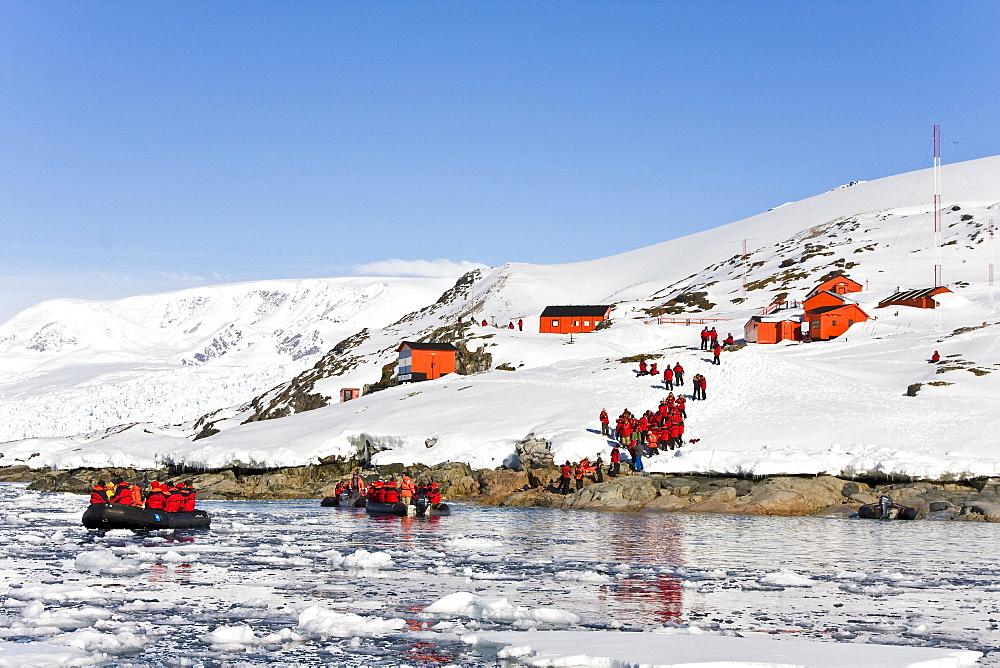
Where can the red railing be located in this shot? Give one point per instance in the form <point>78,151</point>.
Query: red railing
<point>684,321</point>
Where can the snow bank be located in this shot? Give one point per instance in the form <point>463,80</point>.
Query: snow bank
<point>683,647</point>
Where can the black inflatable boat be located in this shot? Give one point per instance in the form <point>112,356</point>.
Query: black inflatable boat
<point>344,500</point>
<point>118,516</point>
<point>885,509</point>
<point>397,508</point>
<point>423,508</point>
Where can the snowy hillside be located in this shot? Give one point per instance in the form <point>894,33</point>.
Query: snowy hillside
<point>834,407</point>
<point>72,366</point>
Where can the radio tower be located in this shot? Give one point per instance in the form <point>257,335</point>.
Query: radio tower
<point>992,257</point>
<point>744,269</point>
<point>937,220</point>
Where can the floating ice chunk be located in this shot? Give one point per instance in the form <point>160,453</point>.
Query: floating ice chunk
<point>368,561</point>
<point>472,544</point>
<point>786,578</point>
<point>96,561</point>
<point>871,590</point>
<point>498,610</point>
<point>175,556</point>
<point>317,621</point>
<point>231,638</point>
<point>582,576</point>
<point>59,593</point>
<point>92,640</point>
<point>17,655</point>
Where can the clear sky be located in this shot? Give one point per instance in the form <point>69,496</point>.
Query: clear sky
<point>150,146</point>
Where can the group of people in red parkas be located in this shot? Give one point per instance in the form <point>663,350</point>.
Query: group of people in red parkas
<point>180,497</point>
<point>388,491</point>
<point>510,325</point>
<point>578,471</point>
<point>672,375</point>
<point>710,341</point>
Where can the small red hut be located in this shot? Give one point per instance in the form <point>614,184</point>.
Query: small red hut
<point>923,298</point>
<point>424,361</point>
<point>348,393</point>
<point>572,319</point>
<point>772,328</point>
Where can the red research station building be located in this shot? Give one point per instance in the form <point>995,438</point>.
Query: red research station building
<point>827,313</point>
<point>923,298</point>
<point>572,319</point>
<point>424,361</point>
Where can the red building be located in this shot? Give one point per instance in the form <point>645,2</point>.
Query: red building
<point>923,298</point>
<point>572,319</point>
<point>348,393</point>
<point>424,361</point>
<point>827,314</point>
<point>773,328</point>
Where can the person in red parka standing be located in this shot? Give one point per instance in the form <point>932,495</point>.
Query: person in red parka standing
<point>604,423</point>
<point>668,378</point>
<point>716,351</point>
<point>565,475</point>
<point>678,374</point>
<point>704,338</point>
<point>616,462</point>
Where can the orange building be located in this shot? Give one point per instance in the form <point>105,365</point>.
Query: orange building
<point>923,298</point>
<point>827,314</point>
<point>829,322</point>
<point>838,285</point>
<point>572,319</point>
<point>424,361</point>
<point>348,393</point>
<point>771,329</point>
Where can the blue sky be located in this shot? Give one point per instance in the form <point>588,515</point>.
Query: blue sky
<point>150,146</point>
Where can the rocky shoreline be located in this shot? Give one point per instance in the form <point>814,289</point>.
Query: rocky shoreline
<point>828,496</point>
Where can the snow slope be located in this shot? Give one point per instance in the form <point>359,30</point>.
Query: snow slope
<point>834,407</point>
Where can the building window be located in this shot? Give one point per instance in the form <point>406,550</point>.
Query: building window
<point>850,323</point>
<point>814,324</point>
<point>586,323</point>
<point>555,323</point>
<point>576,323</point>
<point>834,323</point>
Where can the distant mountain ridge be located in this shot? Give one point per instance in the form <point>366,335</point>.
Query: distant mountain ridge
<point>239,338</point>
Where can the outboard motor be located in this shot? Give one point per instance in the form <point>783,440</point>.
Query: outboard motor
<point>422,504</point>
<point>885,507</point>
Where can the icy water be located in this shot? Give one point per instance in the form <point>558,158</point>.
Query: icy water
<point>291,583</point>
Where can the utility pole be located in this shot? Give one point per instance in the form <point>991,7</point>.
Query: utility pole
<point>744,269</point>
<point>937,221</point>
<point>992,257</point>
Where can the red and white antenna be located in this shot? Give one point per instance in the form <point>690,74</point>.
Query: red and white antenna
<point>992,256</point>
<point>937,206</point>
<point>937,220</point>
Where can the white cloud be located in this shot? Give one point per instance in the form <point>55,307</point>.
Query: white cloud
<point>421,268</point>
<point>182,278</point>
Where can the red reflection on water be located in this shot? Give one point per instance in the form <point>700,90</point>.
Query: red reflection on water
<point>656,543</point>
<point>160,572</point>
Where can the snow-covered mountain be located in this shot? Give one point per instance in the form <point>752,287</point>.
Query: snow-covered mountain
<point>70,366</point>
<point>797,408</point>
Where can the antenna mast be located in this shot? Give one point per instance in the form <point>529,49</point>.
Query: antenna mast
<point>744,269</point>
<point>937,219</point>
<point>992,257</point>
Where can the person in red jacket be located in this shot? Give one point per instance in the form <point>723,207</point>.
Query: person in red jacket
<point>704,338</point>
<point>99,493</point>
<point>702,384</point>
<point>935,358</point>
<point>391,493</point>
<point>565,474</point>
<point>123,494</point>
<point>675,436</point>
<point>434,494</point>
<point>604,423</point>
<point>668,378</point>
<point>190,497</point>
<point>156,498</point>
<point>713,336</point>
<point>485,323</point>
<point>642,368</point>
<point>729,341</point>
<point>616,462</point>
<point>175,500</point>
<point>716,351</point>
<point>520,325</point>
<point>678,374</point>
